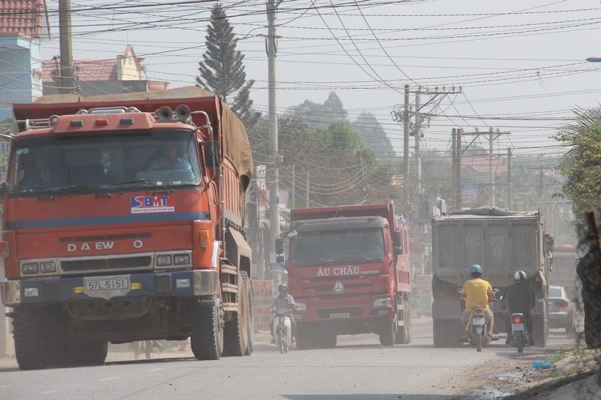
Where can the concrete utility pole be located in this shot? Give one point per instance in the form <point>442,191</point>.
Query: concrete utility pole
<point>273,176</point>
<point>66,80</point>
<point>406,134</point>
<point>456,167</point>
<point>509,187</point>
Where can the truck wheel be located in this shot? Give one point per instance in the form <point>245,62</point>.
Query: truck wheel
<point>30,343</point>
<point>387,334</point>
<point>235,334</point>
<point>303,338</point>
<point>540,325</point>
<point>440,332</point>
<point>249,314</point>
<point>87,353</point>
<point>206,340</point>
<point>403,336</point>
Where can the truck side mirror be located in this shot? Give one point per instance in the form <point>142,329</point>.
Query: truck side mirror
<point>397,238</point>
<point>279,246</point>
<point>397,242</point>
<point>211,153</point>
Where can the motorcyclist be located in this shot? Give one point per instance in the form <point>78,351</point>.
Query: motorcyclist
<point>520,298</point>
<point>476,292</point>
<point>284,301</point>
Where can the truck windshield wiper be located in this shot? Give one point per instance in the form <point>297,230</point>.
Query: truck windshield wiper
<point>138,182</point>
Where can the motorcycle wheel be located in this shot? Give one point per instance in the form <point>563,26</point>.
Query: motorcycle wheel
<point>281,341</point>
<point>479,341</point>
<point>519,341</point>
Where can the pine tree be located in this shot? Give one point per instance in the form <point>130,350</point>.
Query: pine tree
<point>222,69</point>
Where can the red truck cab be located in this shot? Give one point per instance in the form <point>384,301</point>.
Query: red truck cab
<point>348,271</point>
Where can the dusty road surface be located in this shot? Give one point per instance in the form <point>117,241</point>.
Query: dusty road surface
<point>358,368</point>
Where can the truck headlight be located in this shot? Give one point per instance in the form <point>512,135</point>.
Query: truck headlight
<point>382,302</point>
<point>30,268</point>
<point>164,260</point>
<point>47,266</point>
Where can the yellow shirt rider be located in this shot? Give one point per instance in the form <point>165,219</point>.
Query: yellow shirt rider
<point>476,292</point>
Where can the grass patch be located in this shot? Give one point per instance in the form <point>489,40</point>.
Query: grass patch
<point>560,355</point>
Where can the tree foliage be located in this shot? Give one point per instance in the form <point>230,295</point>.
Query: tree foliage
<point>222,68</point>
<point>320,116</point>
<point>374,137</point>
<point>581,165</point>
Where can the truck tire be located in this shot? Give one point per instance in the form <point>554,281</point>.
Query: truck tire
<point>30,342</point>
<point>235,334</point>
<point>388,333</point>
<point>87,353</point>
<point>206,340</point>
<point>403,336</point>
<point>440,332</point>
<point>540,326</point>
<point>249,315</point>
<point>304,340</point>
<point>328,340</point>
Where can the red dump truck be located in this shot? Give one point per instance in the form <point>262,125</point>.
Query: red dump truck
<point>111,237</point>
<point>349,273</point>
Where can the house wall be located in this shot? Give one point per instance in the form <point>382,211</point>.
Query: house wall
<point>19,72</point>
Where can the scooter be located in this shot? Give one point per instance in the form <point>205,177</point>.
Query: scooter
<point>519,334</point>
<point>282,330</point>
<point>477,329</point>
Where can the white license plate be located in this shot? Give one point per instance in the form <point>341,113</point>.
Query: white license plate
<point>107,286</point>
<point>340,315</point>
<point>478,321</point>
<point>517,327</point>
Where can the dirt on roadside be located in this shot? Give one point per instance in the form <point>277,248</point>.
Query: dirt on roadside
<point>513,377</point>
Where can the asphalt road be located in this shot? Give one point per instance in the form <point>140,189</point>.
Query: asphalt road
<point>358,368</point>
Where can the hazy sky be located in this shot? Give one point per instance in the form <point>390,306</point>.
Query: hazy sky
<point>521,64</point>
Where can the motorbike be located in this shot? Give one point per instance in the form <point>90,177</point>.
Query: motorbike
<point>519,334</point>
<point>282,330</point>
<point>477,329</point>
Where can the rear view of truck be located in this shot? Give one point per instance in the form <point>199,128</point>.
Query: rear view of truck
<point>348,270</point>
<point>502,242</point>
<point>123,221</point>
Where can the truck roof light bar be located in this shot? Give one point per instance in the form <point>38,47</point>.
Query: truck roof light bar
<point>76,122</point>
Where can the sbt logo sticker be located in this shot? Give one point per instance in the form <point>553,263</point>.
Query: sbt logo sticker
<point>152,204</point>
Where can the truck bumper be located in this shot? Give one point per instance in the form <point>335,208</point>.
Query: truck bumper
<point>153,284</point>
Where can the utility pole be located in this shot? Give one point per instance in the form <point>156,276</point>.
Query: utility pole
<point>273,176</point>
<point>66,80</point>
<point>307,194</point>
<point>456,166</point>
<point>435,97</point>
<point>406,136</point>
<point>293,188</point>
<point>509,187</point>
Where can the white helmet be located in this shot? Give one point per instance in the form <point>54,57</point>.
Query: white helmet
<point>520,276</point>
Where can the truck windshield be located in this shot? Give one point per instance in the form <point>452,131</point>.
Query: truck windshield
<point>103,161</point>
<point>332,247</point>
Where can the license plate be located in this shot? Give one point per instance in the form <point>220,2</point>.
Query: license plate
<point>478,321</point>
<point>517,327</point>
<point>340,315</point>
<point>107,286</point>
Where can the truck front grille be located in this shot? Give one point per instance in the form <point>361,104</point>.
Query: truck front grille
<point>106,264</point>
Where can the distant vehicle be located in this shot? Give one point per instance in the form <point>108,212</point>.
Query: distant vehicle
<point>561,309</point>
<point>502,242</point>
<point>349,273</point>
<point>563,269</point>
